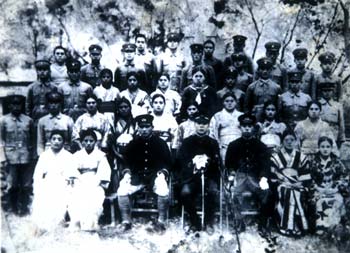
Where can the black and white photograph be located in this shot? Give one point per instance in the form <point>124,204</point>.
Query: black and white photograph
<point>175,126</point>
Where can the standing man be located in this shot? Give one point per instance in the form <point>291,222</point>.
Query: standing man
<point>327,61</point>
<point>148,165</point>
<point>55,120</point>
<point>90,73</point>
<point>300,59</point>
<point>248,162</point>
<point>58,67</point>
<point>172,61</point>
<point>197,60</point>
<point>74,91</point>
<point>238,48</point>
<point>262,90</point>
<point>278,73</point>
<point>36,96</point>
<point>128,65</point>
<point>145,60</point>
<point>199,154</point>
<point>215,63</point>
<point>16,153</point>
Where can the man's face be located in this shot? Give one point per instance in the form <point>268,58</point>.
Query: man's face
<point>95,57</point>
<point>43,74</point>
<point>145,130</point>
<point>140,44</point>
<point>197,56</point>
<point>294,86</point>
<point>238,64</point>
<point>54,107</point>
<point>273,55</point>
<point>300,63</point>
<point>327,94</point>
<point>238,47</point>
<point>247,130</point>
<point>264,72</point>
<point>173,45</point>
<point>327,67</point>
<point>74,75</point>
<point>201,128</point>
<point>129,55</point>
<point>230,81</point>
<point>208,49</point>
<point>16,108</point>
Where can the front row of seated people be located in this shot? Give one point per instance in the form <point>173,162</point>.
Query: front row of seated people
<point>306,192</point>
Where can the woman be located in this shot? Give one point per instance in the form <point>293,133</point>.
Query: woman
<point>164,124</point>
<point>51,183</point>
<point>308,131</point>
<point>107,94</point>
<point>224,125</point>
<point>331,182</point>
<point>270,130</point>
<point>200,92</point>
<point>172,98</point>
<point>138,98</point>
<point>186,128</point>
<point>92,175</point>
<point>92,119</point>
<point>291,179</point>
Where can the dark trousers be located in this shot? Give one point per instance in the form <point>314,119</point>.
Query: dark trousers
<point>190,193</point>
<point>20,180</point>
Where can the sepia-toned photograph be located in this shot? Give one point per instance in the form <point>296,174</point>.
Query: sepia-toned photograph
<point>175,126</point>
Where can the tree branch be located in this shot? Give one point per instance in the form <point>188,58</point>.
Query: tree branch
<point>258,31</point>
<point>346,29</point>
<point>291,34</point>
<point>330,27</point>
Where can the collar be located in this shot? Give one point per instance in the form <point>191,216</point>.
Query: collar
<point>74,84</point>
<point>263,82</point>
<point>292,94</point>
<point>131,64</point>
<point>140,53</point>
<point>58,116</point>
<point>14,118</point>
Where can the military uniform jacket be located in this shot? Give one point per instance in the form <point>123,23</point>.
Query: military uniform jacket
<point>307,80</point>
<point>244,79</point>
<point>90,74</point>
<point>249,156</point>
<point>198,145</point>
<point>146,157</point>
<point>258,93</point>
<point>16,138</point>
<point>332,112</point>
<point>146,61</point>
<point>36,99</point>
<point>74,97</point>
<point>293,107</point>
<point>217,66</point>
<point>121,72</point>
<point>321,78</point>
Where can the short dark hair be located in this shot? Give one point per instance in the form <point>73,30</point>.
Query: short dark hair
<point>209,42</point>
<point>157,96</point>
<point>60,47</point>
<point>59,132</point>
<point>140,35</point>
<point>87,132</point>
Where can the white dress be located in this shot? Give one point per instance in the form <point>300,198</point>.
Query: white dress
<point>87,195</point>
<point>51,188</point>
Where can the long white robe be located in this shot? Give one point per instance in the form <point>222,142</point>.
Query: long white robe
<point>51,188</point>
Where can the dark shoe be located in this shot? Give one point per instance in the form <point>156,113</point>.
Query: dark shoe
<point>126,226</point>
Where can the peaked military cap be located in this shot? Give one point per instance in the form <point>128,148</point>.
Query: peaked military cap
<point>42,64</point>
<point>54,96</point>
<point>327,57</point>
<point>144,120</point>
<point>174,37</point>
<point>196,48</point>
<point>73,65</point>
<point>239,39</point>
<point>264,63</point>
<point>300,53</point>
<point>273,46</point>
<point>247,119</point>
<point>95,48</point>
<point>294,76</point>
<point>238,57</point>
<point>14,98</point>
<point>327,85</point>
<point>201,119</point>
<point>129,47</point>
<point>231,72</point>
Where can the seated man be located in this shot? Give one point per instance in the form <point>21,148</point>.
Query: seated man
<point>248,160</point>
<point>148,162</point>
<point>199,154</point>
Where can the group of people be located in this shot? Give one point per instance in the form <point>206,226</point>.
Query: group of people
<point>82,133</point>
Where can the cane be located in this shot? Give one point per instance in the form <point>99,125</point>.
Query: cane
<point>202,177</point>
